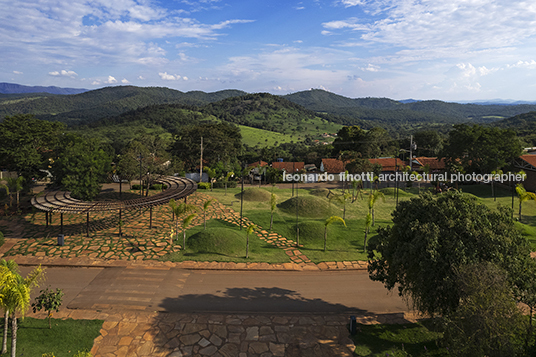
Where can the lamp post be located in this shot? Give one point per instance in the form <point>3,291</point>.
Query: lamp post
<point>141,185</point>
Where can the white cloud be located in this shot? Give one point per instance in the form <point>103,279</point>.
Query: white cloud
<point>460,25</point>
<point>169,77</point>
<point>125,81</point>
<point>371,68</point>
<point>523,64</point>
<point>17,72</point>
<point>110,80</point>
<point>63,73</point>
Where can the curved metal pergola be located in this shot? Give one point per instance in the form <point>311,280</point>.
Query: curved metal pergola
<point>62,202</point>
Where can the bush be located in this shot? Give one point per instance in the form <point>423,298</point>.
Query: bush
<point>221,184</point>
<point>157,186</point>
<point>203,186</point>
<point>2,239</point>
<point>136,187</point>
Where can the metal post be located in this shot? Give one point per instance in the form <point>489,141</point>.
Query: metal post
<point>151,217</point>
<point>46,218</point>
<point>120,225</point>
<point>87,225</point>
<point>297,205</point>
<point>141,185</point>
<point>61,220</point>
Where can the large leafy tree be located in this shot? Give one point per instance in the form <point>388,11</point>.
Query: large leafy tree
<point>432,237</point>
<point>221,142</point>
<point>27,143</point>
<point>81,168</point>
<point>480,149</point>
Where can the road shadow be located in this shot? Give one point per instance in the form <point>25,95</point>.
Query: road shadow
<point>257,300</point>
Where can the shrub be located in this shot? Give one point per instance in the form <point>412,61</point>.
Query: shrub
<point>2,239</point>
<point>220,184</point>
<point>157,186</point>
<point>203,186</point>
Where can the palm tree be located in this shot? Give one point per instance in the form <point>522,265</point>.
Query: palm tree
<point>16,185</point>
<point>211,175</point>
<point>185,223</point>
<point>368,224</point>
<point>273,205</point>
<point>7,267</point>
<point>356,190</point>
<point>15,296</point>
<point>249,230</point>
<point>328,222</point>
<point>373,198</point>
<point>178,210</point>
<point>523,195</point>
<point>206,205</point>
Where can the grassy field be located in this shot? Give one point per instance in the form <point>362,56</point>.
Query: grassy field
<point>259,137</point>
<point>65,339</point>
<point>346,243</point>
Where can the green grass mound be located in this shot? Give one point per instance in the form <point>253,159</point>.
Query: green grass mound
<point>311,232</point>
<point>256,195</point>
<point>390,192</point>
<point>308,206</point>
<point>319,192</point>
<point>225,241</point>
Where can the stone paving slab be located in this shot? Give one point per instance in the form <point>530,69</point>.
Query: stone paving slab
<point>140,334</point>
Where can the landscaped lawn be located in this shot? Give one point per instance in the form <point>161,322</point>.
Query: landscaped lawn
<point>227,244</point>
<point>65,339</point>
<point>417,339</point>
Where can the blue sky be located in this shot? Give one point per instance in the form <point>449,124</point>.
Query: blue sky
<point>453,50</point>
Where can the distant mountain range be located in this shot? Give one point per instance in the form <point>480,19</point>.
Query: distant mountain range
<point>12,88</point>
<point>260,110</point>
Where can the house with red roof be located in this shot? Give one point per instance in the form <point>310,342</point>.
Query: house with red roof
<point>389,164</point>
<point>258,163</point>
<point>434,164</point>
<point>288,167</point>
<point>527,163</point>
<point>332,166</point>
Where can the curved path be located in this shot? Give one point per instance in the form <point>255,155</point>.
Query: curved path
<point>62,202</point>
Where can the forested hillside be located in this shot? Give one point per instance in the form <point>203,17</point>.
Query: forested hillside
<point>105,102</point>
<point>524,125</point>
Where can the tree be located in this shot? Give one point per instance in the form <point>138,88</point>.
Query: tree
<point>6,267</point>
<point>227,177</point>
<point>179,210</point>
<point>374,196</point>
<point>28,143</point>
<point>81,168</point>
<point>221,142</point>
<point>328,223</point>
<point>211,175</point>
<point>249,230</point>
<point>368,224</point>
<point>273,206</point>
<point>487,321</point>
<point>16,185</point>
<point>480,149</point>
<point>431,237</point>
<point>206,205</point>
<point>523,195</point>
<point>15,295</point>
<point>185,223</point>
<point>48,300</point>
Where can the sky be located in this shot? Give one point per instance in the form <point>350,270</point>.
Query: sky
<point>455,50</point>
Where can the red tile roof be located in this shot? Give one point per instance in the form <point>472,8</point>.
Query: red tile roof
<point>288,166</point>
<point>388,163</point>
<point>333,166</point>
<point>530,159</point>
<point>432,162</point>
<point>257,163</point>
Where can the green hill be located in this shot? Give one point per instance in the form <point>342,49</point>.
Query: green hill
<point>524,125</point>
<point>105,102</point>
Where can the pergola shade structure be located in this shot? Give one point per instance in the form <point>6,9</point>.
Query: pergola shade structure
<point>62,202</point>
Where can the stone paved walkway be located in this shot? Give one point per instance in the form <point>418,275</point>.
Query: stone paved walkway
<point>137,334</point>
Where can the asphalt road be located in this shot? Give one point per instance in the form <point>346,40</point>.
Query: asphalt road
<point>179,290</point>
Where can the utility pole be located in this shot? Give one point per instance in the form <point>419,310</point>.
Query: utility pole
<point>201,163</point>
<point>411,153</point>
